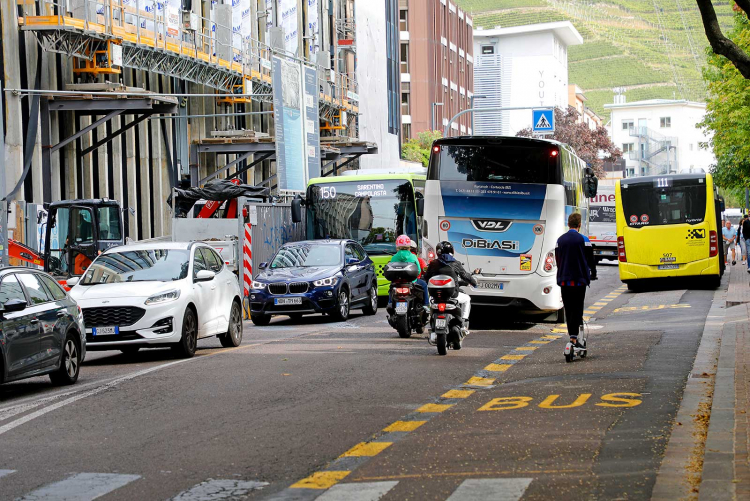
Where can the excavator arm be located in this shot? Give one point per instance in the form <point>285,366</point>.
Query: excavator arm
<point>24,253</point>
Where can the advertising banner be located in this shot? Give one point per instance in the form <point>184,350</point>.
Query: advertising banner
<point>312,123</point>
<point>312,25</point>
<point>288,9</point>
<point>288,117</point>
<point>269,19</point>
<point>247,23</point>
<point>237,29</point>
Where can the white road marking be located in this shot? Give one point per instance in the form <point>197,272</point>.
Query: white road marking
<point>6,472</point>
<point>497,489</point>
<point>366,491</point>
<point>217,490</point>
<point>81,487</point>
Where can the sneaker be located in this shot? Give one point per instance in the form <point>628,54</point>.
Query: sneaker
<point>734,262</point>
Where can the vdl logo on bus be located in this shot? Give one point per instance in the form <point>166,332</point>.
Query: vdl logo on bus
<point>478,243</point>
<point>491,224</point>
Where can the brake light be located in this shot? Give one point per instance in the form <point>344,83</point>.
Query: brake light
<point>441,307</point>
<point>549,261</point>
<point>402,290</point>
<point>440,282</point>
<point>621,250</point>
<point>713,242</point>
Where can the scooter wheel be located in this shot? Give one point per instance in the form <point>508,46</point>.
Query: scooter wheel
<point>442,344</point>
<point>584,353</point>
<point>569,358</point>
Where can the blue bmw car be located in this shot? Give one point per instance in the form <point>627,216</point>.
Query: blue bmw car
<point>315,276</point>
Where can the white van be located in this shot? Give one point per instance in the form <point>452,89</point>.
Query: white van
<point>602,225</point>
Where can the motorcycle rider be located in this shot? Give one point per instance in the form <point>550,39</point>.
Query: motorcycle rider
<point>404,255</point>
<point>446,264</point>
<point>420,281</point>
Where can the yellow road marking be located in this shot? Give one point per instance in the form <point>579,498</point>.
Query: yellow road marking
<point>458,393</point>
<point>539,342</point>
<point>498,367</point>
<point>434,407</point>
<point>548,336</point>
<point>321,480</point>
<point>527,348</point>
<point>367,449</point>
<point>480,381</point>
<point>559,330</point>
<point>590,312</point>
<point>404,426</point>
<point>512,357</point>
<point>600,304</point>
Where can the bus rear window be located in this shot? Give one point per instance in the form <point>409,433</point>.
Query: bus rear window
<point>644,204</point>
<point>503,163</point>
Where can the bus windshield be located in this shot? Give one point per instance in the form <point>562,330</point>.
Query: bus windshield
<point>510,163</point>
<point>646,204</point>
<point>372,213</point>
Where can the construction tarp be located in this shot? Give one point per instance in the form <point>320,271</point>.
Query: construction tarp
<point>218,191</point>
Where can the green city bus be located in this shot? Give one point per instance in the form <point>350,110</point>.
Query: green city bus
<point>372,209</point>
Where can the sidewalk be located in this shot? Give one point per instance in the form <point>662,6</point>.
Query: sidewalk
<point>707,454</point>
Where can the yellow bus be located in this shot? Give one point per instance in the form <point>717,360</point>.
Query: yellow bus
<point>669,226</point>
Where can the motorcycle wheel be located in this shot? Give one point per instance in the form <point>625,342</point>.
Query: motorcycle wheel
<point>402,326</point>
<point>442,344</point>
<point>419,329</point>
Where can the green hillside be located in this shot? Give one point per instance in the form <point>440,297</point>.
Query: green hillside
<point>653,48</point>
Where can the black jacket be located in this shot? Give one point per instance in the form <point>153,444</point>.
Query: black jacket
<point>575,259</point>
<point>746,229</point>
<point>447,265</point>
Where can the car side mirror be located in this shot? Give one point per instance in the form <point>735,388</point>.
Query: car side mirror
<point>297,209</point>
<point>420,207</point>
<point>262,266</point>
<point>352,261</point>
<point>73,281</point>
<point>204,276</point>
<point>12,305</point>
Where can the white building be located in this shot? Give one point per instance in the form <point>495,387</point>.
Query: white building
<point>378,77</point>
<point>518,67</point>
<point>660,136</point>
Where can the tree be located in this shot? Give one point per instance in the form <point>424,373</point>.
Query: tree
<point>418,149</point>
<point>720,44</point>
<point>592,146</point>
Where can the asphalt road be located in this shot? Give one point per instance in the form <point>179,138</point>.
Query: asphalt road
<point>301,407</point>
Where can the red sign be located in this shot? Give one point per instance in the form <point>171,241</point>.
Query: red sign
<point>633,218</point>
<point>346,41</point>
<point>644,218</point>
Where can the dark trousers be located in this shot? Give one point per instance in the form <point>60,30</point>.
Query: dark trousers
<point>573,297</point>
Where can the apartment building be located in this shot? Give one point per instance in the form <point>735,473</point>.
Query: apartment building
<point>577,99</point>
<point>437,66</point>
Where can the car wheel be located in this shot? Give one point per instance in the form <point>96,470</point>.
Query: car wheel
<point>342,306</point>
<point>233,336</point>
<point>371,308</point>
<point>189,341</point>
<point>70,363</point>
<point>260,320</point>
<point>130,350</point>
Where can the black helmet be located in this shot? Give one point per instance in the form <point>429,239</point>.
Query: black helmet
<point>444,247</point>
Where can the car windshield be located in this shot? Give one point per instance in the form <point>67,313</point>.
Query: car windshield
<point>307,255</point>
<point>154,265</point>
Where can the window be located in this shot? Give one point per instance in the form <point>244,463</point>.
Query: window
<point>665,122</point>
<point>211,259</point>
<point>488,49</point>
<point>628,124</point>
<point>404,58</point>
<point>35,289</point>
<point>307,255</point>
<point>199,264</point>
<point>392,65</point>
<point>646,204</point>
<point>109,223</point>
<point>349,253</point>
<point>627,147</point>
<point>82,225</point>
<point>53,287</point>
<point>11,289</point>
<point>406,131</point>
<point>360,252</point>
<point>404,103</point>
<point>403,20</point>
<point>155,265</point>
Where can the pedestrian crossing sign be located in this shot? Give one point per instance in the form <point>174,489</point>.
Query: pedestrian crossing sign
<point>543,120</point>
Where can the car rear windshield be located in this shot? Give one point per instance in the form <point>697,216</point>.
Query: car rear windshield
<point>154,265</point>
<point>307,255</point>
<point>654,204</point>
<point>511,163</point>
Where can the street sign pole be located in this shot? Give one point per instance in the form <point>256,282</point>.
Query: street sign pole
<point>3,202</point>
<point>491,109</point>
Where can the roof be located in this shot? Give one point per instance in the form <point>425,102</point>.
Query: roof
<point>154,246</point>
<point>564,30</point>
<point>366,177</point>
<point>325,241</point>
<point>85,201</point>
<point>656,102</point>
<point>495,140</point>
<point>651,179</point>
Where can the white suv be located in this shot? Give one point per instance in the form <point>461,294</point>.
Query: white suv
<point>157,294</point>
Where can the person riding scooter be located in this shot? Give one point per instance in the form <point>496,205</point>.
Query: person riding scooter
<point>404,255</point>
<point>446,264</point>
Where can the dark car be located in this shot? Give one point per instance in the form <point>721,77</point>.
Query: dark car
<point>315,276</point>
<point>41,328</point>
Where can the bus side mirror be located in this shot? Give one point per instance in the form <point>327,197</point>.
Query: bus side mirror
<point>420,207</point>
<point>297,209</point>
<point>590,186</point>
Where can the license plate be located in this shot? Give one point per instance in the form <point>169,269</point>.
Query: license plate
<point>281,301</point>
<point>105,331</point>
<point>669,266</point>
<point>402,307</point>
<point>498,286</point>
<point>440,323</point>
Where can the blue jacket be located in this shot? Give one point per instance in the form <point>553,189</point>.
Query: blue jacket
<point>575,259</point>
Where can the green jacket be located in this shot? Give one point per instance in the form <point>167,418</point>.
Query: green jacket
<point>405,256</point>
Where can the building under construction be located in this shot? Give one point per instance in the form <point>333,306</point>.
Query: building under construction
<point>125,99</point>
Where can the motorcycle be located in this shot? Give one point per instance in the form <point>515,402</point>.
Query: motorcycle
<point>405,312</point>
<point>447,327</point>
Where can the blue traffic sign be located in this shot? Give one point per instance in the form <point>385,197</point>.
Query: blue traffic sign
<point>543,120</point>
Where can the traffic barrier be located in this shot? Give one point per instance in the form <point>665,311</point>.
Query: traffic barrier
<point>247,256</point>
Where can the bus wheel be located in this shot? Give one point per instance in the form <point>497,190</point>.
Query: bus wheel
<point>714,282</point>
<point>633,287</point>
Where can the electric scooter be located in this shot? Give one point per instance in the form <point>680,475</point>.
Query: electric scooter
<point>571,351</point>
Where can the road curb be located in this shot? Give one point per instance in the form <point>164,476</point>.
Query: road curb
<point>679,475</point>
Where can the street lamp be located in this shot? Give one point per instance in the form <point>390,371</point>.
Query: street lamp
<point>471,105</point>
<point>432,125</point>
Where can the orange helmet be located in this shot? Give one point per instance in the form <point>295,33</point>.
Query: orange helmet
<point>403,241</point>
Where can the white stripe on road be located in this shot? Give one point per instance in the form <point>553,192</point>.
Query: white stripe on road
<point>496,489</point>
<point>218,490</point>
<point>366,491</point>
<point>81,487</point>
<point>6,472</point>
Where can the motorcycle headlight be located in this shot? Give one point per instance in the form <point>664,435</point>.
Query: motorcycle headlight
<point>326,282</point>
<point>163,297</point>
<point>257,285</point>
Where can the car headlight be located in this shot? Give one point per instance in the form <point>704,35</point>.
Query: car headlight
<point>163,297</point>
<point>326,282</point>
<point>257,285</point>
